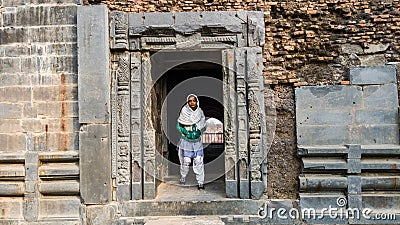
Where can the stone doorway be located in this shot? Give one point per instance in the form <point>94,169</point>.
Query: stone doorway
<point>133,87</point>
<point>190,75</point>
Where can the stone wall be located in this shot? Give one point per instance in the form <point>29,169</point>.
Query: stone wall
<point>38,110</point>
<point>349,132</point>
<point>38,76</point>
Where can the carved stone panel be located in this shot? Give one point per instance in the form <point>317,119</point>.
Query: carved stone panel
<point>255,99</point>
<point>119,30</point>
<point>230,120</point>
<point>148,137</point>
<point>242,126</point>
<point>121,120</point>
<point>256,29</point>
<point>136,125</point>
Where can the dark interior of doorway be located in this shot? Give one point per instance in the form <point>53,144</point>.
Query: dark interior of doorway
<point>213,153</point>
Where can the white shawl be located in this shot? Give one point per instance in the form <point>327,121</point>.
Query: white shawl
<point>189,117</point>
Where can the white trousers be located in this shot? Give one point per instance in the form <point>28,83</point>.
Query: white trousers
<point>198,166</point>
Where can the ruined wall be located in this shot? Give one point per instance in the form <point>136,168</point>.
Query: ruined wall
<point>304,35</point>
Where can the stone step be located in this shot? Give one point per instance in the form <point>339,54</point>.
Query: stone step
<point>207,220</point>
<point>176,220</point>
<point>191,208</point>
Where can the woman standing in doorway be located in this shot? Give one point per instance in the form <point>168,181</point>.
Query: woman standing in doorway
<point>191,124</point>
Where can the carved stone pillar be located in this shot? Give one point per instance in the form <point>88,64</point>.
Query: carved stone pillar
<point>148,135</point>
<point>136,125</point>
<point>121,124</point>
<point>230,121</point>
<point>255,99</point>
<point>242,126</point>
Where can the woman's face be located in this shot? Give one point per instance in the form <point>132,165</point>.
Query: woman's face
<point>192,102</point>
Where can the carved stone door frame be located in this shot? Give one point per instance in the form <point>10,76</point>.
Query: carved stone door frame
<point>133,38</point>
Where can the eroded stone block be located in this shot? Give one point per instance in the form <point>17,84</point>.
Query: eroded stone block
<point>93,65</point>
<point>380,96</point>
<point>95,166</point>
<point>372,75</point>
<point>328,97</point>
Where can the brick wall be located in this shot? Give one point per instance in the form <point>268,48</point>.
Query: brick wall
<point>305,40</point>
<point>305,37</point>
<point>38,76</point>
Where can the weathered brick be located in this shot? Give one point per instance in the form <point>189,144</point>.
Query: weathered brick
<point>57,109</point>
<point>55,93</point>
<point>42,125</point>
<point>29,64</point>
<point>9,17</point>
<point>12,142</point>
<point>16,50</point>
<point>45,15</point>
<point>49,64</point>
<point>10,110</point>
<point>14,80</point>
<point>33,125</point>
<point>65,141</point>
<point>56,1</point>
<point>10,125</point>
<point>62,124</point>
<point>54,79</point>
<point>11,3</point>
<point>10,65</point>
<point>29,110</point>
<point>62,49</point>
<point>53,34</point>
<point>15,94</point>
<point>11,35</point>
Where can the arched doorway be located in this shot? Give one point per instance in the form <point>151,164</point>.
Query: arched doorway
<point>205,80</point>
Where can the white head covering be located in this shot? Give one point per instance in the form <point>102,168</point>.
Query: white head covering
<point>188,116</point>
